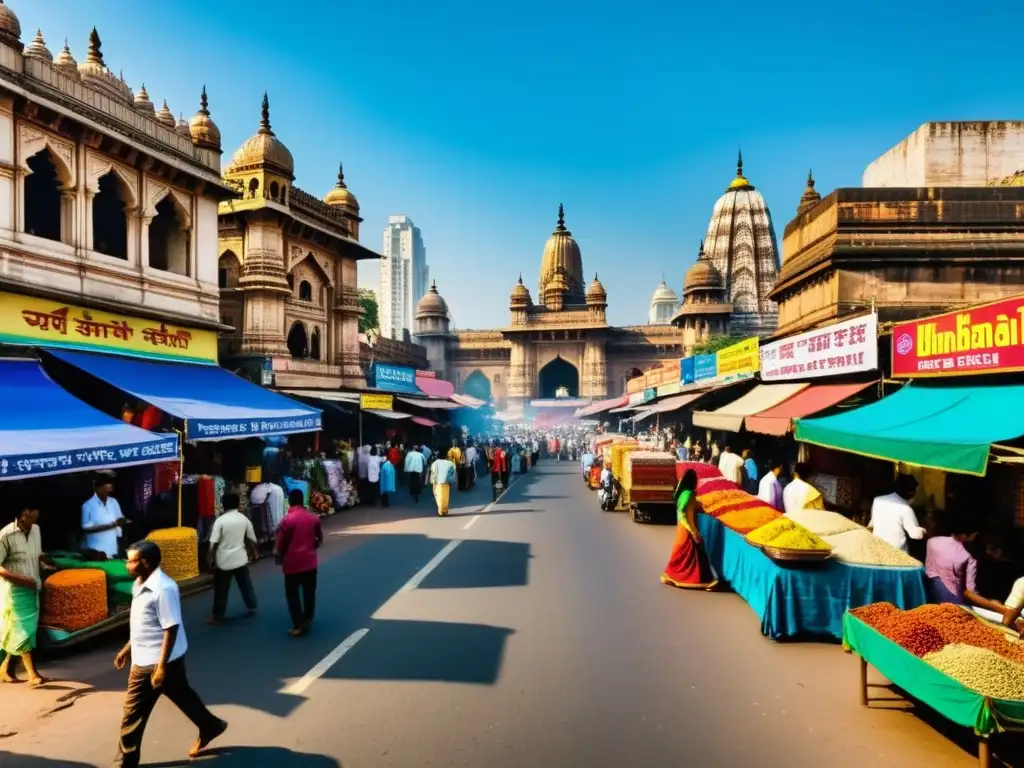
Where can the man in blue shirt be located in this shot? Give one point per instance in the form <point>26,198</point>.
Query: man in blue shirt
<point>586,463</point>
<point>157,647</point>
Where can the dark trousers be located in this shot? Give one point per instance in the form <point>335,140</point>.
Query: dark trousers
<point>460,474</point>
<point>300,591</point>
<point>140,699</point>
<point>415,484</point>
<point>536,457</point>
<point>372,492</point>
<point>385,499</point>
<point>222,586</point>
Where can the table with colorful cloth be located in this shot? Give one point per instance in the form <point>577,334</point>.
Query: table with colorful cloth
<point>804,600</point>
<point>919,679</point>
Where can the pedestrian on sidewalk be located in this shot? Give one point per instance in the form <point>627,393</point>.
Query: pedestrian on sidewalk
<point>470,459</point>
<point>156,647</point>
<point>298,539</point>
<point>387,482</point>
<point>373,463</point>
<point>232,548</point>
<point>414,468</point>
<point>442,477</point>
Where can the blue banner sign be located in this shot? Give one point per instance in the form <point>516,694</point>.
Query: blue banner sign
<point>216,429</point>
<point>395,378</point>
<point>161,448</point>
<point>686,370</point>
<point>705,367</point>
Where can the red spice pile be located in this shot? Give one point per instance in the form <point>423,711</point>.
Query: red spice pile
<point>955,625</point>
<point>904,629</point>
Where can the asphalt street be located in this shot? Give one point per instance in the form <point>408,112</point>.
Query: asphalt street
<point>533,632</point>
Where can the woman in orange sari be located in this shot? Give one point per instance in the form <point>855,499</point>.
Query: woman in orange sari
<point>688,567</point>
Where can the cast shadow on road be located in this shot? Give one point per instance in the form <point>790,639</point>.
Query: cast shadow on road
<point>11,760</point>
<point>482,564</point>
<point>252,757</point>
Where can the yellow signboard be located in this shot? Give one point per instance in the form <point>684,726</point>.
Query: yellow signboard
<point>377,402</point>
<point>44,323</point>
<point>739,359</point>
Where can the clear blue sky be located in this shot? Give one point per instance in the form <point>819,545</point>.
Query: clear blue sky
<point>477,119</point>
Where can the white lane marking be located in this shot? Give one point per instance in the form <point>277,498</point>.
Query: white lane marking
<point>425,571</point>
<point>299,686</point>
<point>469,525</point>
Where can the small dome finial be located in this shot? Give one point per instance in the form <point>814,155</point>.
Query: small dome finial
<point>95,54</point>
<point>561,218</point>
<point>265,115</point>
<point>204,103</point>
<point>739,163</point>
<point>810,177</point>
<point>595,277</point>
<point>433,285</point>
<point>341,176</point>
<point>520,278</point>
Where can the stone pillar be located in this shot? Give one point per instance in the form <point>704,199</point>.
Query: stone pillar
<point>138,238</point>
<point>596,367</point>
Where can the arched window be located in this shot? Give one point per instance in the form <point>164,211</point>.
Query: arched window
<point>228,268</point>
<point>274,188</point>
<point>109,220</point>
<point>42,197</point>
<point>298,341</point>
<point>305,291</point>
<point>254,185</point>
<point>314,345</point>
<point>168,239</point>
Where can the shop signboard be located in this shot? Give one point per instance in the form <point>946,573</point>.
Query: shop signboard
<point>686,370</point>
<point>374,402</point>
<point>672,388</point>
<point>30,321</point>
<point>395,378</point>
<point>705,367</point>
<point>985,339</point>
<point>650,394</point>
<point>637,398</point>
<point>739,360</point>
<point>847,347</point>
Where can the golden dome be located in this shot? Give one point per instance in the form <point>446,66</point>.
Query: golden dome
<point>596,292</point>
<point>142,102</point>
<point>10,27</point>
<point>809,198</point>
<point>66,63</point>
<point>703,274</point>
<point>202,129</point>
<point>740,182</point>
<point>95,74</point>
<point>340,195</point>
<point>37,49</point>
<point>562,254</point>
<point>520,294</point>
<point>432,304</point>
<point>264,149</point>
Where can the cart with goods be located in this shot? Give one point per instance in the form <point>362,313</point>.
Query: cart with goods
<point>798,573</point>
<point>617,453</point>
<point>648,485</point>
<point>966,669</point>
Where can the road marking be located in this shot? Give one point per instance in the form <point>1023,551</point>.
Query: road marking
<point>425,571</point>
<point>469,525</point>
<point>299,686</point>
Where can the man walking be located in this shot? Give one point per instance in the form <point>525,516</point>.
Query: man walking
<point>442,476</point>
<point>298,538</point>
<point>157,647</point>
<point>414,467</point>
<point>232,548</point>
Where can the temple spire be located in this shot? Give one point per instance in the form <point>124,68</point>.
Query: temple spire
<point>265,115</point>
<point>95,53</point>
<point>561,218</point>
<point>739,163</point>
<point>204,104</point>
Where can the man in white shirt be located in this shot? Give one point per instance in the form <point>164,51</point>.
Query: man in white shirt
<point>892,517</point>
<point>157,647</point>
<point>373,462</point>
<point>414,466</point>
<point>800,494</point>
<point>232,548</point>
<point>769,489</point>
<point>731,466</point>
<point>102,519</point>
<point>469,457</point>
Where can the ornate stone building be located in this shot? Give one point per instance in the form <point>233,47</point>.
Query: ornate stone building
<point>105,202</point>
<point>288,270</point>
<point>561,345</point>
<point>706,311</point>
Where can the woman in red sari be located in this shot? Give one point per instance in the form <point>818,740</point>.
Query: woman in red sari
<point>688,567</point>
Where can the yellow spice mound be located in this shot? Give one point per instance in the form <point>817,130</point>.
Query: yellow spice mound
<point>981,670</point>
<point>179,548</point>
<point>786,534</point>
<point>823,522</point>
<point>74,599</point>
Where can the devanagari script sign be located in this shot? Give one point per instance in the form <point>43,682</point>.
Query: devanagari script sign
<point>43,323</point>
<point>847,347</point>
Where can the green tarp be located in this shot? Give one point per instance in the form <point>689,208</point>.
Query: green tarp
<point>927,684</point>
<point>947,428</point>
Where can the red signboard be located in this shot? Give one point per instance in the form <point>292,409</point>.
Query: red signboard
<point>985,339</point>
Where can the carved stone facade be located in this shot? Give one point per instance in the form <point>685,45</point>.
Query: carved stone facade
<point>101,200</point>
<point>288,270</point>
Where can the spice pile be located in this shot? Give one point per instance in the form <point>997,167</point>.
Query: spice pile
<point>735,509</point>
<point>74,599</point>
<point>179,549</point>
<point>823,522</point>
<point>743,521</point>
<point>861,547</point>
<point>784,533</point>
<point>702,470</point>
<point>956,643</point>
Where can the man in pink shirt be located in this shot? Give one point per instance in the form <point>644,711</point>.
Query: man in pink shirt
<point>951,570</point>
<point>298,538</point>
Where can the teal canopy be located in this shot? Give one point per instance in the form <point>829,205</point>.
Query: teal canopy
<point>948,428</point>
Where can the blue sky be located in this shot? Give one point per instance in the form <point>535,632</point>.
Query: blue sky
<point>477,119</point>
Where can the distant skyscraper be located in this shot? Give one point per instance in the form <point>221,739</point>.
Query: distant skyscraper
<point>404,276</point>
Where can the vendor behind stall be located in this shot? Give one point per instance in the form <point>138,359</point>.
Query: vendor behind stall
<point>800,494</point>
<point>102,518</point>
<point>951,569</point>
<point>892,518</point>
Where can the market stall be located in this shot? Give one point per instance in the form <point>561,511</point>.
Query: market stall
<point>969,671</point>
<point>648,485</point>
<point>730,418</point>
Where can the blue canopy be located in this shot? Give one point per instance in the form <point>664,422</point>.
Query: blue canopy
<point>215,404</point>
<point>46,431</point>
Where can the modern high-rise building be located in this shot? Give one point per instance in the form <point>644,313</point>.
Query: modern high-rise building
<point>404,277</point>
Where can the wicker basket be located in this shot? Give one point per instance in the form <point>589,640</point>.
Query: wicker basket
<point>796,555</point>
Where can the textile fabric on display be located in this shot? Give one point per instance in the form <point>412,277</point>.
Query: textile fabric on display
<point>804,600</point>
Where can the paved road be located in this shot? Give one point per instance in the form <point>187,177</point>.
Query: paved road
<point>533,634</point>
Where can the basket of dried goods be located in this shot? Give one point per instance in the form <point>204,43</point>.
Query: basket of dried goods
<point>74,599</point>
<point>787,541</point>
<point>179,550</point>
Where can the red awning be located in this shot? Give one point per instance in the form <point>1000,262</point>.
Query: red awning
<point>601,406</point>
<point>818,397</point>
<point>435,387</point>
<point>667,405</point>
<point>423,422</point>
